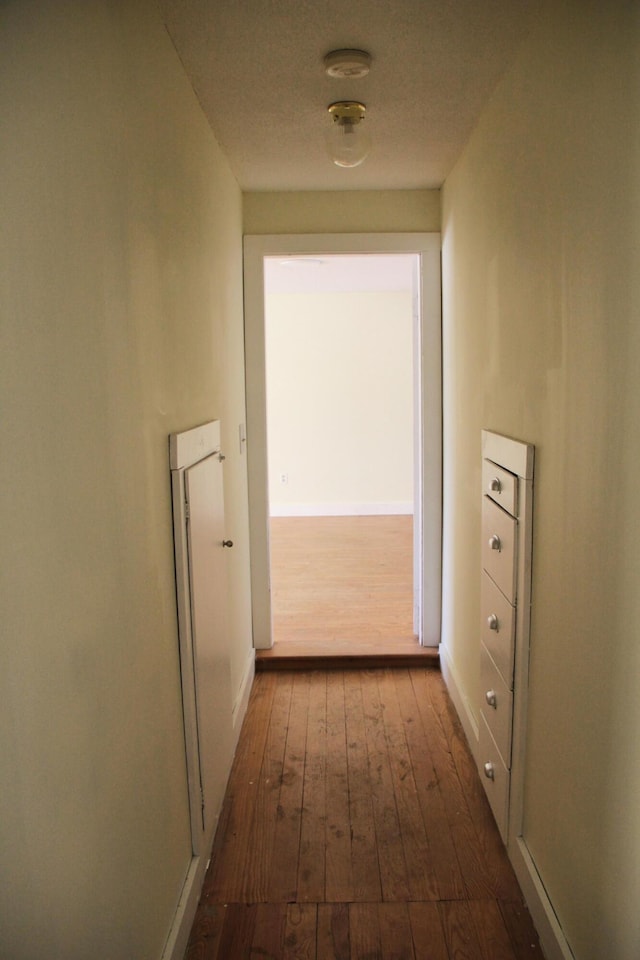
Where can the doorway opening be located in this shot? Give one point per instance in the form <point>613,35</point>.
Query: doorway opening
<point>341,334</point>
<point>269,472</point>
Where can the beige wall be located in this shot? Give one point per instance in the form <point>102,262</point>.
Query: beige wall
<point>541,302</point>
<point>340,401</point>
<point>120,303</point>
<point>348,211</point>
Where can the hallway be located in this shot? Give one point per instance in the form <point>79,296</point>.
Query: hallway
<point>354,826</point>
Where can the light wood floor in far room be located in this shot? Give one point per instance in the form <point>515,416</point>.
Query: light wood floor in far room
<point>355,827</point>
<point>342,585</point>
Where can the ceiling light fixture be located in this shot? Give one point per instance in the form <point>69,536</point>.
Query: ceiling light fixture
<point>347,64</point>
<point>347,143</point>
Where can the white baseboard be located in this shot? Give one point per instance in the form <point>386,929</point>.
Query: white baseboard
<point>553,941</point>
<point>390,508</point>
<point>176,945</point>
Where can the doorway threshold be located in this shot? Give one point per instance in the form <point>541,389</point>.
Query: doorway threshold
<point>343,655</point>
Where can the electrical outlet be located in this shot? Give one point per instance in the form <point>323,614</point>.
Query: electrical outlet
<point>284,478</point>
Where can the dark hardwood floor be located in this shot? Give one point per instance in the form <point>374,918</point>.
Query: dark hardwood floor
<point>355,827</point>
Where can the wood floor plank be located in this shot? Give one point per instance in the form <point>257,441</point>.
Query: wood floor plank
<point>339,877</point>
<point>491,931</point>
<point>421,878</point>
<point>206,932</point>
<point>300,932</point>
<point>396,940</point>
<point>250,748</point>
<point>237,932</point>
<point>286,849</point>
<point>365,866</point>
<point>226,876</point>
<point>446,868</point>
<point>311,861</point>
<point>257,876</point>
<point>269,931</point>
<point>333,941</point>
<point>521,930</point>
<point>426,929</point>
<point>393,869</point>
<point>364,931</point>
<point>502,877</point>
<point>459,931</point>
<point>478,879</point>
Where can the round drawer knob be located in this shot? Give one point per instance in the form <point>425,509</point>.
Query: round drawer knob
<point>496,485</point>
<point>491,698</point>
<point>488,771</point>
<point>494,542</point>
<point>227,543</point>
<point>493,623</point>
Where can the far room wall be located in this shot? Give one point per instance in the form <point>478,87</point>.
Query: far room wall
<point>339,390</point>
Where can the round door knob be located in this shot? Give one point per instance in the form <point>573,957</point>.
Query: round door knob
<point>227,543</point>
<point>496,485</point>
<point>488,771</point>
<point>494,542</point>
<point>491,698</point>
<point>493,623</point>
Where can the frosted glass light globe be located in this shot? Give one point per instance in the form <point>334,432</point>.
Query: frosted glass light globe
<point>348,143</point>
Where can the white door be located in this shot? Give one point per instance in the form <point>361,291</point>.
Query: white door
<point>208,587</point>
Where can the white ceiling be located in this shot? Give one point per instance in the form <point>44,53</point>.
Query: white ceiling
<point>257,69</point>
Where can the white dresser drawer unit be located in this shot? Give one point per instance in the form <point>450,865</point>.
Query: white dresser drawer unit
<point>498,624</point>
<point>496,705</point>
<point>505,598</point>
<point>495,778</point>
<point>501,486</point>
<point>499,553</point>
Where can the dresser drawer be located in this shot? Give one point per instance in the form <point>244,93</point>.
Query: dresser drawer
<point>495,778</point>
<point>499,547</point>
<point>498,627</point>
<point>501,486</point>
<point>496,705</point>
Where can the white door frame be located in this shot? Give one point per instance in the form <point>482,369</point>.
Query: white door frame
<point>427,246</point>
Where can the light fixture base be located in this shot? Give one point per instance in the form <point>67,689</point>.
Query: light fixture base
<point>350,111</point>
